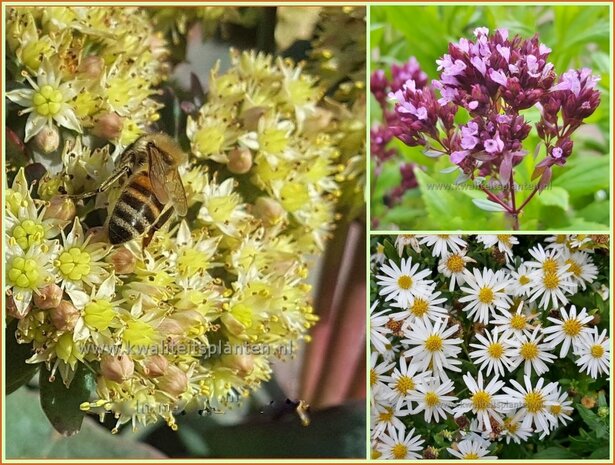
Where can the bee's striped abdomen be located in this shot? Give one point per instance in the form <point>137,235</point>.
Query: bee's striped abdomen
<point>136,210</point>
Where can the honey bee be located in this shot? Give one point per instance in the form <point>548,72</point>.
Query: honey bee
<point>151,191</point>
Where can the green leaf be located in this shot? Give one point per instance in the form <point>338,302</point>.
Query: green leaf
<point>29,435</point>
<point>61,404</point>
<point>556,197</point>
<point>18,372</point>
<point>555,453</point>
<point>488,205</point>
<point>584,176</point>
<point>592,420</point>
<point>600,453</point>
<point>596,212</point>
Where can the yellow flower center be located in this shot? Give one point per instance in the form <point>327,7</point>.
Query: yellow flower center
<point>572,327</point>
<point>373,377</point>
<point>518,321</point>
<point>523,280</point>
<point>534,401</point>
<point>550,280</point>
<point>432,399</point>
<point>471,456</point>
<point>574,267</point>
<point>28,233</point>
<point>47,101</point>
<point>455,263</point>
<point>549,265</point>
<point>98,314</point>
<point>433,343</point>
<point>560,239</point>
<point>65,348</point>
<point>556,409</point>
<point>597,351</point>
<point>24,273</point>
<point>399,451</point>
<point>511,426</point>
<point>495,350</point>
<point>481,400</point>
<point>529,351</point>
<point>404,282</point>
<point>504,239</point>
<point>74,263</point>
<point>404,384</point>
<point>486,295</point>
<point>444,236</point>
<point>419,307</point>
<point>386,416</point>
<point>294,196</point>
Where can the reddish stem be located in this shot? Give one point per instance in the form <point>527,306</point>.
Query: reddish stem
<point>496,199</point>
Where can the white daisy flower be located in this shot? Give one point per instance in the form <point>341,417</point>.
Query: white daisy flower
<point>396,444</point>
<point>561,409</point>
<point>433,350</point>
<point>474,448</point>
<point>403,380</point>
<point>493,353</point>
<point>548,261</point>
<point>529,351</point>
<point>577,241</point>
<point>402,282</point>
<point>514,429</point>
<point>377,371</point>
<point>422,306</point>
<point>520,282</point>
<point>379,257</point>
<point>484,402</point>
<point>594,353</point>
<point>558,242</point>
<point>452,265</point>
<point>378,329</point>
<point>442,243</point>
<point>386,416</point>
<point>404,240</point>
<point>550,287</point>
<point>514,324</point>
<point>569,330</point>
<point>504,243</point>
<point>582,268</point>
<point>534,402</point>
<point>431,397</point>
<point>485,294</point>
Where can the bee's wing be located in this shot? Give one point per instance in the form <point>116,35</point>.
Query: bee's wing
<point>166,183</point>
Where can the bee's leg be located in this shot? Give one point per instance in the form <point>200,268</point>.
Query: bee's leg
<point>159,223</point>
<point>123,170</point>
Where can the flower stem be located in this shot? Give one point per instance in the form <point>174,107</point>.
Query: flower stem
<point>496,199</point>
<point>514,213</point>
<point>528,199</point>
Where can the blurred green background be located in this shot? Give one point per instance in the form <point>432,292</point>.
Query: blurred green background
<point>579,36</point>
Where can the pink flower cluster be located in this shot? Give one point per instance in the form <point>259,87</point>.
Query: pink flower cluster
<point>493,78</point>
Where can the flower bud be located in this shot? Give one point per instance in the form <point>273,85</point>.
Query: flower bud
<point>174,382</point>
<point>92,66</point>
<point>64,317</point>
<point>251,117</point>
<point>318,121</point>
<point>108,126</point>
<point>243,363</point>
<point>156,366</point>
<point>13,310</point>
<point>430,453</point>
<point>239,161</point>
<point>47,140</point>
<point>97,234</point>
<point>603,412</point>
<point>588,402</point>
<point>123,261</point>
<point>268,210</point>
<point>49,297</point>
<point>117,368</point>
<point>61,208</point>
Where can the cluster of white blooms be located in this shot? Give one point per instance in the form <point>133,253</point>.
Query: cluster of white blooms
<point>460,320</point>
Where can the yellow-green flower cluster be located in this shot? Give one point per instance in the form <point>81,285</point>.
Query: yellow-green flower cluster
<point>191,322</point>
<point>91,70</point>
<point>263,123</point>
